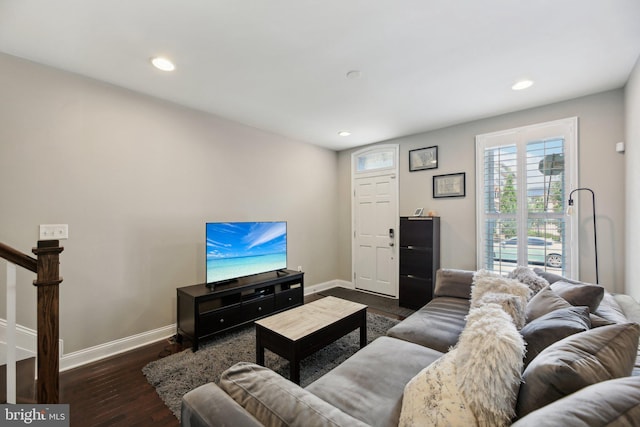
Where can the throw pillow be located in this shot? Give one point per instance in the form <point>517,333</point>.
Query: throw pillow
<point>432,397</point>
<point>485,282</point>
<point>529,278</point>
<point>576,362</point>
<point>511,304</point>
<point>609,403</point>
<point>552,327</point>
<point>489,359</point>
<point>544,302</point>
<point>580,294</point>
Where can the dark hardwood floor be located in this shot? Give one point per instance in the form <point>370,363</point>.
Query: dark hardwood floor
<point>114,392</point>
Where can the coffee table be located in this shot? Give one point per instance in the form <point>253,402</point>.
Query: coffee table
<point>297,333</point>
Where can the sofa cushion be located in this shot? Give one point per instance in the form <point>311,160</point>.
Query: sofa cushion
<point>276,401</point>
<point>527,276</point>
<point>208,403</point>
<point>608,403</point>
<point>552,327</point>
<point>631,310</point>
<point>453,283</point>
<point>579,294</point>
<point>433,397</point>
<point>551,277</point>
<point>436,325</point>
<point>544,302</point>
<point>610,309</point>
<point>369,385</point>
<point>578,361</point>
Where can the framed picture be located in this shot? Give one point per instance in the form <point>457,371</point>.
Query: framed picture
<point>450,185</point>
<point>423,158</point>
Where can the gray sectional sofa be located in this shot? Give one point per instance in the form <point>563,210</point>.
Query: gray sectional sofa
<point>581,369</point>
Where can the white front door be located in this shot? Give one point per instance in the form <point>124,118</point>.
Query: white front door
<point>375,223</point>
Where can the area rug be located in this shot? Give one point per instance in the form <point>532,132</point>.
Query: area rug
<point>175,375</point>
<point>388,305</point>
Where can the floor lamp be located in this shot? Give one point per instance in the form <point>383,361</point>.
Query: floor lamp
<point>595,234</point>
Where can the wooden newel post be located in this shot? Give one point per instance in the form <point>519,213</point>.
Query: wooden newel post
<point>48,279</point>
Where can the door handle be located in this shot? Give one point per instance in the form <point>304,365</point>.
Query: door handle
<point>391,244</point>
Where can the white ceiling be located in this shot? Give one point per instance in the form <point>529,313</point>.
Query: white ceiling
<point>281,65</point>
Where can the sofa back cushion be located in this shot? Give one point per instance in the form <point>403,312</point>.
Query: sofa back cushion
<point>453,283</point>
<point>608,403</point>
<point>578,361</point>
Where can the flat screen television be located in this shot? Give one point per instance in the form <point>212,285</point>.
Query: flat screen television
<point>238,249</point>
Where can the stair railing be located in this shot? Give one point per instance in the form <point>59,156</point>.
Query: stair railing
<point>46,265</point>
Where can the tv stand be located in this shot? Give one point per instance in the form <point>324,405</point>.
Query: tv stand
<point>204,312</point>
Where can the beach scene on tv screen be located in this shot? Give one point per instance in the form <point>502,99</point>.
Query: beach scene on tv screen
<point>236,249</point>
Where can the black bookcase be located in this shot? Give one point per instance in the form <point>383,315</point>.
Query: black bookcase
<point>419,259</point>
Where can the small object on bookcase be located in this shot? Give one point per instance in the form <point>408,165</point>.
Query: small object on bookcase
<point>418,212</point>
<point>432,213</point>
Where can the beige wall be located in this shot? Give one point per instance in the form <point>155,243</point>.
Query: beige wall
<point>632,155</point>
<point>136,179</point>
<point>601,125</point>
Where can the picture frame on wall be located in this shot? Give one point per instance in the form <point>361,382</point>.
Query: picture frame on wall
<point>423,159</point>
<point>449,185</point>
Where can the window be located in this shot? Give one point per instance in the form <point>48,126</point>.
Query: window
<point>375,159</point>
<point>524,177</point>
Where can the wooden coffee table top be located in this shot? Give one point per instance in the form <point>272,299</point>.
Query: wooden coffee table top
<point>302,321</point>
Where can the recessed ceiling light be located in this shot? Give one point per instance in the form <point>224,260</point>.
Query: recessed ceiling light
<point>344,133</point>
<point>522,84</point>
<point>163,64</point>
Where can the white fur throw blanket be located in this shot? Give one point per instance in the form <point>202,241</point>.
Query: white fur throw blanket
<point>490,355</point>
<point>474,384</point>
<point>510,294</point>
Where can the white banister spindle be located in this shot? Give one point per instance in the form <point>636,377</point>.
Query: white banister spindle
<point>11,333</point>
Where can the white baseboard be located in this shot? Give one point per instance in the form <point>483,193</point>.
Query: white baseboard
<point>95,353</point>
<point>310,290</point>
<point>26,338</point>
<point>27,345</point>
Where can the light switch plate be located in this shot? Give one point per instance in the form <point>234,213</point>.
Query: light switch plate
<point>54,231</point>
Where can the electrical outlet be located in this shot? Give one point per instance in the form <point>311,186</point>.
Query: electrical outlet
<point>54,231</point>
<point>299,268</point>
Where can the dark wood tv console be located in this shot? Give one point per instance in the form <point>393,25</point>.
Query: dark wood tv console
<point>204,312</point>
